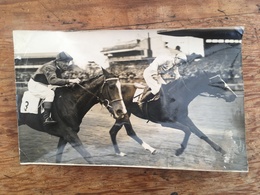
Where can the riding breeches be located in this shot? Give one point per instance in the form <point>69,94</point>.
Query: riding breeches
<point>41,90</point>
<point>152,83</point>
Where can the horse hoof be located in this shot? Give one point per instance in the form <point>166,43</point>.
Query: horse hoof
<point>179,151</point>
<point>154,151</point>
<point>121,154</point>
<point>88,160</point>
<point>223,152</point>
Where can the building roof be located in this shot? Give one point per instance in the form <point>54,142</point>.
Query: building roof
<point>134,45</point>
<point>207,33</point>
<point>35,55</point>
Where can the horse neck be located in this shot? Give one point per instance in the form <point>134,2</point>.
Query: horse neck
<point>128,91</point>
<point>190,88</point>
<point>88,95</point>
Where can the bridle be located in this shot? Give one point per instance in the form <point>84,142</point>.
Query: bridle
<point>105,82</point>
<point>219,84</point>
<point>102,101</point>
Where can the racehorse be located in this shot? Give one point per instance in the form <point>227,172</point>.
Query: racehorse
<point>171,109</point>
<point>71,104</point>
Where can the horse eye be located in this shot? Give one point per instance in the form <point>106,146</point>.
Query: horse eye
<point>111,86</point>
<point>221,83</point>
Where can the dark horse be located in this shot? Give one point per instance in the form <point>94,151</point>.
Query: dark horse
<point>70,106</point>
<point>171,109</point>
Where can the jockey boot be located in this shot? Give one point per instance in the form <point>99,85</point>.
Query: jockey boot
<point>149,95</point>
<point>47,120</point>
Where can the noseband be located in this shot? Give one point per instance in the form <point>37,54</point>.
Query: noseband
<point>106,100</point>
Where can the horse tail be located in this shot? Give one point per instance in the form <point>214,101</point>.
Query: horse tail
<point>18,105</point>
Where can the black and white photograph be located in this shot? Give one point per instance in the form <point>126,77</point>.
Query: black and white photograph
<point>156,98</point>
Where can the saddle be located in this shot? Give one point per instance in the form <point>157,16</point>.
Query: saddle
<point>156,96</point>
<point>145,98</point>
<point>161,100</point>
<point>141,92</point>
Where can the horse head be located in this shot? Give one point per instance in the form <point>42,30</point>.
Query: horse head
<point>218,87</point>
<point>111,95</point>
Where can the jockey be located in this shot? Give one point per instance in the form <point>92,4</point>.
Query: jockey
<point>160,65</point>
<point>50,74</point>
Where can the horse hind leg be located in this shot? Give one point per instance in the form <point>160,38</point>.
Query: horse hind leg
<point>214,145</point>
<point>61,145</point>
<point>76,143</point>
<point>202,136</point>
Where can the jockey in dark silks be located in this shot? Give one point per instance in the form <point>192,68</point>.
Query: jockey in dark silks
<point>50,74</point>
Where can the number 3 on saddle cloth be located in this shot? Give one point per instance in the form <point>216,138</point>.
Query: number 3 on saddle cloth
<point>30,103</point>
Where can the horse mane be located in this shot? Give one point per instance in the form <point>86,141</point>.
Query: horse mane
<point>85,76</point>
<point>195,76</point>
<point>90,79</point>
<point>199,73</point>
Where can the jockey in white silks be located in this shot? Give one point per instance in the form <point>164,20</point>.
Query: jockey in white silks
<point>161,64</point>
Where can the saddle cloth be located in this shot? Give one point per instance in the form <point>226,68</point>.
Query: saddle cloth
<point>140,92</point>
<point>30,103</point>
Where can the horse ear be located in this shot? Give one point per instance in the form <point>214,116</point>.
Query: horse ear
<point>107,74</point>
<point>104,71</point>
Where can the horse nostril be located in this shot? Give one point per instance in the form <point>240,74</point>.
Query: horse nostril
<point>119,112</point>
<point>231,98</point>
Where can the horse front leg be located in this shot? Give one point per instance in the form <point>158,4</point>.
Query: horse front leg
<point>61,145</point>
<point>185,129</point>
<point>130,132</point>
<point>72,137</point>
<point>113,133</point>
<point>202,136</point>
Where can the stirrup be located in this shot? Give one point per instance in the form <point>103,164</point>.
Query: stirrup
<point>49,121</point>
<point>140,103</point>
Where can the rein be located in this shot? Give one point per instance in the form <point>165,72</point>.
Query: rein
<point>85,89</point>
<point>185,85</point>
<point>105,101</point>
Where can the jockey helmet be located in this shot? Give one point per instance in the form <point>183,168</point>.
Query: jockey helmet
<point>63,56</point>
<point>180,58</point>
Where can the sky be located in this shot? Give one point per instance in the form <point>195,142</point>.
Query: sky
<point>83,46</point>
<point>86,46</point>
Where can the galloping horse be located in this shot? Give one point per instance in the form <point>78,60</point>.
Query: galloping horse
<point>72,103</point>
<point>171,109</point>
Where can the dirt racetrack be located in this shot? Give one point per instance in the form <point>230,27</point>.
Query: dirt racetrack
<point>223,126</point>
